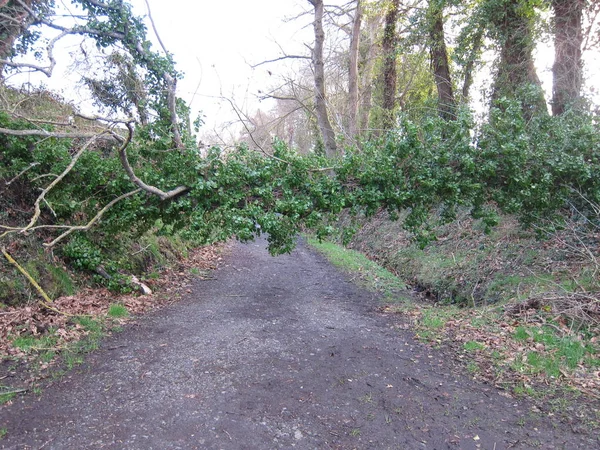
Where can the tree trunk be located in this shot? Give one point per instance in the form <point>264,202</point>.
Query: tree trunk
<point>353,72</point>
<point>367,75</point>
<point>568,39</point>
<point>516,70</point>
<point>390,40</point>
<point>13,22</point>
<point>470,66</point>
<point>319,72</point>
<point>439,61</point>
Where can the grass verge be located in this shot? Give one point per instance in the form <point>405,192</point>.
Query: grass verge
<point>368,273</point>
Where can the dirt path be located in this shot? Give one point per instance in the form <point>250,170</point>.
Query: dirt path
<point>273,353</point>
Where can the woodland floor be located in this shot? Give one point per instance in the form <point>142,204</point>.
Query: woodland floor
<point>275,353</point>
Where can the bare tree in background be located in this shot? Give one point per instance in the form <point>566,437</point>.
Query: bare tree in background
<point>327,132</point>
<point>353,85</point>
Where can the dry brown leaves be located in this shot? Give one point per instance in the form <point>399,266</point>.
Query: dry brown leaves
<point>500,350</point>
<point>36,320</point>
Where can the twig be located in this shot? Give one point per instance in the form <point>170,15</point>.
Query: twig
<point>14,391</point>
<point>95,219</point>
<point>31,166</point>
<point>281,58</point>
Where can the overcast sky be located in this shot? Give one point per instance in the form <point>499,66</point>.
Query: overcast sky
<point>216,42</point>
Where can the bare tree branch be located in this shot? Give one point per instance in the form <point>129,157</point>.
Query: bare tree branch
<point>133,177</point>
<point>96,218</point>
<point>281,58</point>
<point>54,134</point>
<point>58,179</point>
<point>50,52</point>
<point>154,28</point>
<point>23,172</point>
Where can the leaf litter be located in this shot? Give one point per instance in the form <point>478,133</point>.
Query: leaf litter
<point>34,322</point>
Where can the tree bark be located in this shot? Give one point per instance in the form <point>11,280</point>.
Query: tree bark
<point>319,72</point>
<point>367,74</point>
<point>353,72</point>
<point>439,61</point>
<point>470,66</point>
<point>13,23</point>
<point>390,54</point>
<point>517,69</point>
<point>568,39</point>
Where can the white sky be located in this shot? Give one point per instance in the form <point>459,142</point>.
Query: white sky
<point>216,42</point>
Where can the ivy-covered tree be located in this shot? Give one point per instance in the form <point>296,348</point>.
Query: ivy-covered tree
<point>512,25</point>
<point>390,60</point>
<point>568,42</point>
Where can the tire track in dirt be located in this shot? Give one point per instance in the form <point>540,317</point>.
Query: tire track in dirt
<point>274,353</point>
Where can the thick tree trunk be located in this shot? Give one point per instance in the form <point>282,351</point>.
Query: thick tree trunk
<point>439,62</point>
<point>353,72</point>
<point>390,55</point>
<point>319,70</point>
<point>516,70</point>
<point>568,39</point>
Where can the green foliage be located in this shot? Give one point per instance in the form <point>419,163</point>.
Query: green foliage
<point>473,346</point>
<point>82,254</point>
<point>556,352</point>
<point>5,398</point>
<point>528,168</point>
<point>29,344</point>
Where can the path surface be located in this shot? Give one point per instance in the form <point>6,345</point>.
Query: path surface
<point>274,353</point>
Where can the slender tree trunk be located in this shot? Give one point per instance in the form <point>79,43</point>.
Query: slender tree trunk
<point>367,75</point>
<point>470,66</point>
<point>517,69</point>
<point>353,72</point>
<point>439,61</point>
<point>390,55</point>
<point>568,39</point>
<point>319,71</point>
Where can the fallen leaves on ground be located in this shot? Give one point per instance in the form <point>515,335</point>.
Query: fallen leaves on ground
<point>500,358</point>
<point>35,320</point>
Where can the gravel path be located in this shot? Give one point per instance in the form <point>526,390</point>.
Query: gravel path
<point>274,353</point>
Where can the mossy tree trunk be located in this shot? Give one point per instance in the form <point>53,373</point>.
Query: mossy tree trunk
<point>390,57</point>
<point>568,39</point>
